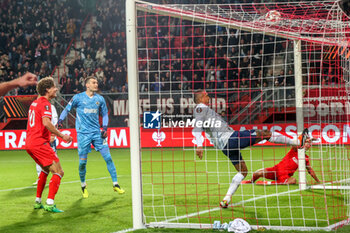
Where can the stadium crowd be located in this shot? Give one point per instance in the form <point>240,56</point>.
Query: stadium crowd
<point>34,36</point>
<point>103,52</point>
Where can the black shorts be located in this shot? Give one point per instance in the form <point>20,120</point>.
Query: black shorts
<point>239,140</point>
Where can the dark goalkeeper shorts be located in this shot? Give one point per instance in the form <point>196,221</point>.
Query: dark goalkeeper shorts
<point>239,140</point>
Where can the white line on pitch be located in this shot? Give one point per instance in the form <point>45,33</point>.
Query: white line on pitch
<point>126,230</point>
<point>68,182</point>
<point>231,205</point>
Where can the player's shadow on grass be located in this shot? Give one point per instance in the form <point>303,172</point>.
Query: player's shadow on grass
<point>77,209</point>
<point>40,217</point>
<point>30,191</point>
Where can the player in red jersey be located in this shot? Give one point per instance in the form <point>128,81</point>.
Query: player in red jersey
<point>39,129</point>
<point>282,173</point>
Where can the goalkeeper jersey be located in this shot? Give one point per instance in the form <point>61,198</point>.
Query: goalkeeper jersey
<point>88,110</point>
<point>218,134</point>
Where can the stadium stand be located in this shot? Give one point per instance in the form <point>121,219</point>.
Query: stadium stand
<point>35,39</point>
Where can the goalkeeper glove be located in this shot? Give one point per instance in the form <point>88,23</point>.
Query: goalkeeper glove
<point>104,132</point>
<point>59,124</point>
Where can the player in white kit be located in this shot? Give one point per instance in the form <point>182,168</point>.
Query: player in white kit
<point>230,141</point>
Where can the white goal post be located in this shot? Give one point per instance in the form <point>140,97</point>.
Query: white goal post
<point>319,34</point>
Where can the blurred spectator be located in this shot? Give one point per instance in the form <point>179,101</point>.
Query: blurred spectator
<point>89,63</point>
<point>71,27</point>
<point>280,79</point>
<point>67,87</point>
<point>77,87</point>
<point>101,56</point>
<point>99,74</point>
<point>105,85</point>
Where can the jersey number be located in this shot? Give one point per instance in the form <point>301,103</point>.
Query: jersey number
<point>31,118</point>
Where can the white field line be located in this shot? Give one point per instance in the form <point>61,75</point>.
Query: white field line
<point>235,204</point>
<point>68,182</point>
<point>231,205</point>
<point>126,230</point>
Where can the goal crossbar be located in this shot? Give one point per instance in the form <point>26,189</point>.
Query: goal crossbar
<point>257,23</point>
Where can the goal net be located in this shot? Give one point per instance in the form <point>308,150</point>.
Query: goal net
<point>276,66</point>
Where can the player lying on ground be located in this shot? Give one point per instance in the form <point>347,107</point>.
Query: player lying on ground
<point>88,106</point>
<point>230,141</point>
<point>39,129</point>
<point>282,173</point>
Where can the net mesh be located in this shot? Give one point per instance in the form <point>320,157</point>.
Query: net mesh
<point>243,56</point>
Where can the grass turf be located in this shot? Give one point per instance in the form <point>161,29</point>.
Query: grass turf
<point>174,184</point>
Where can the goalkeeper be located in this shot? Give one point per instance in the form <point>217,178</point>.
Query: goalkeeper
<point>231,142</point>
<point>88,106</point>
<point>282,173</point>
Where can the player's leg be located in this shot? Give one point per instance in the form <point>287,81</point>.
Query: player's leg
<point>256,175</point>
<point>84,148</point>
<point>40,187</point>
<point>240,165</point>
<point>101,146</point>
<point>36,154</point>
<point>38,167</point>
<point>279,138</point>
<point>57,174</point>
<point>279,178</point>
<point>82,174</point>
<point>291,180</point>
<point>268,173</point>
<point>38,171</point>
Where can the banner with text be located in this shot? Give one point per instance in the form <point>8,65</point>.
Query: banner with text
<point>182,137</point>
<point>327,104</point>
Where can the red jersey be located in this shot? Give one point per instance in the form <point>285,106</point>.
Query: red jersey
<point>37,134</point>
<point>289,163</point>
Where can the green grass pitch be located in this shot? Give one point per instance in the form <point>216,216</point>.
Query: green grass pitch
<point>167,173</point>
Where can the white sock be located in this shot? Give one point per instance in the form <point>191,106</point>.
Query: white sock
<point>38,199</point>
<point>281,139</point>
<point>83,184</point>
<point>115,183</point>
<point>236,181</point>
<point>38,169</point>
<point>49,201</point>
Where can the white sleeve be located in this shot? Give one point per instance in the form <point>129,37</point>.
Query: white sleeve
<point>199,115</point>
<point>54,118</point>
<point>199,139</point>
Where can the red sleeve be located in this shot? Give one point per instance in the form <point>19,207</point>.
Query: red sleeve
<point>45,110</point>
